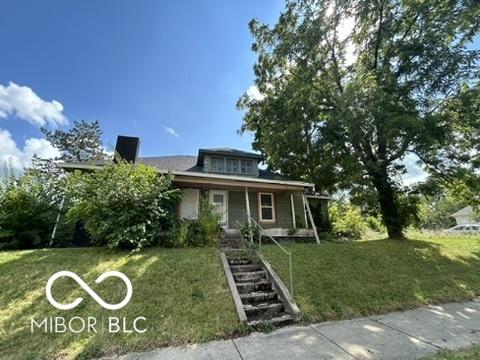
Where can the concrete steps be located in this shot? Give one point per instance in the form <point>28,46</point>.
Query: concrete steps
<point>228,241</point>
<point>260,301</point>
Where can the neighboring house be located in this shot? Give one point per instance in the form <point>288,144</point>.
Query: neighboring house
<point>233,182</point>
<point>465,216</point>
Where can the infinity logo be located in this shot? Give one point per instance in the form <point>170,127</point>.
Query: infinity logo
<point>89,290</point>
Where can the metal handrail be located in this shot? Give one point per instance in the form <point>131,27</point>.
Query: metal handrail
<point>288,253</point>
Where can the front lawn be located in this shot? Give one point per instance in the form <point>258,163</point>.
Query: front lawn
<point>182,293</point>
<point>339,281</point>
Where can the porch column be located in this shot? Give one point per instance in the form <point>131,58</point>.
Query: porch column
<point>293,211</point>
<point>311,219</point>
<point>247,202</point>
<point>305,210</point>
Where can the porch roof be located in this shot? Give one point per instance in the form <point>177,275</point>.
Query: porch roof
<point>214,179</point>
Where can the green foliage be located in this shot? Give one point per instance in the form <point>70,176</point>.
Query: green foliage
<point>249,231</point>
<point>411,87</point>
<point>83,142</point>
<point>347,220</point>
<point>201,232</point>
<point>123,205</point>
<point>27,218</point>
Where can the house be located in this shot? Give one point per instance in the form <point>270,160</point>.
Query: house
<point>240,190</point>
<point>465,216</point>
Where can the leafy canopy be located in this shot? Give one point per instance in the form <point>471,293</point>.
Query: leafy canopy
<point>123,205</point>
<point>348,88</point>
<point>83,142</point>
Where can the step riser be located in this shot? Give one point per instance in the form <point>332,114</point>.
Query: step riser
<point>244,268</point>
<point>252,310</point>
<point>248,277</point>
<point>258,298</point>
<point>239,262</point>
<point>247,288</point>
<point>280,321</point>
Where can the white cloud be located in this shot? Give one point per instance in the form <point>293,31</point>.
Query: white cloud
<point>254,93</point>
<point>171,131</point>
<point>16,159</point>
<point>23,103</point>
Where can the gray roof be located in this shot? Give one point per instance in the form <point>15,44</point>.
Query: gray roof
<point>466,211</point>
<point>228,152</point>
<point>189,163</point>
<point>175,162</point>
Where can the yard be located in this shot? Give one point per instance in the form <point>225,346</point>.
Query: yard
<point>339,281</point>
<point>467,354</point>
<point>182,293</point>
<point>184,296</point>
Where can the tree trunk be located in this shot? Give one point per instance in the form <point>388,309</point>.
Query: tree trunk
<point>388,205</point>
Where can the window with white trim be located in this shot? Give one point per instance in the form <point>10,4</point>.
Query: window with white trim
<point>266,207</point>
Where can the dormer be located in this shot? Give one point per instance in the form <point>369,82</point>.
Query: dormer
<point>229,162</point>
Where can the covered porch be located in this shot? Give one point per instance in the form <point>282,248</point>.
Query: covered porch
<point>281,208</point>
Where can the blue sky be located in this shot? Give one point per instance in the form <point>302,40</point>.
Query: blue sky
<point>169,72</point>
<point>139,67</point>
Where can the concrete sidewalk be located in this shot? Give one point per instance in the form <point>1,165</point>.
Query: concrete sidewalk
<point>403,335</point>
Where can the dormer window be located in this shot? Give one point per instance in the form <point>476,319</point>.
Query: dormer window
<point>246,166</point>
<point>218,164</point>
<point>232,165</point>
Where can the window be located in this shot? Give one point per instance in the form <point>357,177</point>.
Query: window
<point>266,207</point>
<point>190,204</point>
<point>246,166</point>
<point>218,164</point>
<point>232,165</point>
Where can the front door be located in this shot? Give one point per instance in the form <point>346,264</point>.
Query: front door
<point>219,200</point>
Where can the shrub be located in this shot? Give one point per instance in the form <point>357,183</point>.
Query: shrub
<point>27,218</point>
<point>347,220</point>
<point>124,205</point>
<point>201,232</point>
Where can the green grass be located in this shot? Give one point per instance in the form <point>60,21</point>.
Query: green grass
<point>185,298</point>
<point>344,280</point>
<point>182,293</point>
<point>467,354</point>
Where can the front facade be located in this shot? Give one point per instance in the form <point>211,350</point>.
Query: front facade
<point>239,190</point>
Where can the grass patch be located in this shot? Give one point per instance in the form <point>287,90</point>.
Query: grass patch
<point>466,354</point>
<point>182,293</point>
<point>344,280</point>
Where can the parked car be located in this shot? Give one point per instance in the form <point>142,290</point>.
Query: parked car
<point>464,229</point>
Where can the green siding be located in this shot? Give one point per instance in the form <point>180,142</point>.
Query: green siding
<point>237,212</point>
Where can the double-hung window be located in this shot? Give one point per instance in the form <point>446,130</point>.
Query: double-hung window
<point>246,166</point>
<point>232,166</point>
<point>218,164</point>
<point>266,207</point>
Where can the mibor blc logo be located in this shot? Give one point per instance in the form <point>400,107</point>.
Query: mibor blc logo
<point>89,324</point>
<point>89,290</point>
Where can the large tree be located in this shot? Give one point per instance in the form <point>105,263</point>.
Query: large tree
<point>348,88</point>
<point>83,142</point>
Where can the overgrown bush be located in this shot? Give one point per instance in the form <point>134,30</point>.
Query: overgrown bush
<point>201,232</point>
<point>123,205</point>
<point>347,220</point>
<point>27,218</point>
